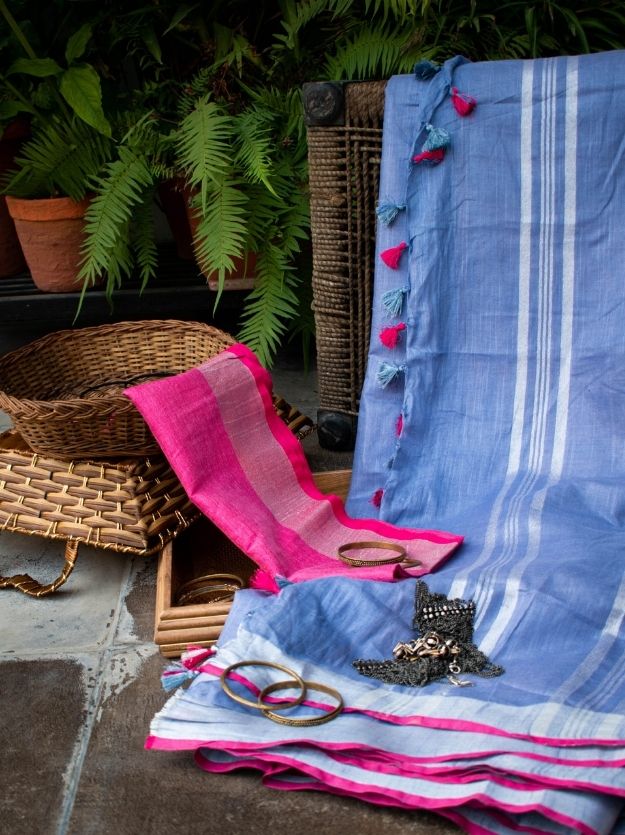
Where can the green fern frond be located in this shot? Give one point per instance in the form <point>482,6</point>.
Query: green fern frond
<point>371,53</point>
<point>221,234</point>
<point>119,193</point>
<point>285,109</point>
<point>298,15</point>
<point>203,143</point>
<point>254,146</point>
<point>401,11</point>
<point>270,306</point>
<point>197,87</point>
<point>142,238</point>
<point>61,159</point>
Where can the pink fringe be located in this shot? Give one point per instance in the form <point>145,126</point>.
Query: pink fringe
<point>376,499</point>
<point>389,336</point>
<point>399,425</point>
<point>263,582</point>
<point>463,104</point>
<point>430,156</point>
<point>391,256</point>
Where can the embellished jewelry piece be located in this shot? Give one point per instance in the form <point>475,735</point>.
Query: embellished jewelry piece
<point>400,554</point>
<point>269,708</point>
<point>444,647</point>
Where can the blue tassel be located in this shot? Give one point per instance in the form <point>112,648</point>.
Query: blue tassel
<point>387,212</point>
<point>437,138</point>
<point>387,373</point>
<point>175,675</point>
<point>424,70</point>
<point>393,300</point>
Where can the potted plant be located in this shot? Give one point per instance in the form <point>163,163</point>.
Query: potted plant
<point>47,193</point>
<point>244,174</point>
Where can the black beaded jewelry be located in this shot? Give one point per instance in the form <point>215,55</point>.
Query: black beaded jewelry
<point>444,646</point>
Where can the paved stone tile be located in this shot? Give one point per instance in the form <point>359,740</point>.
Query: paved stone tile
<point>78,616</point>
<point>126,790</point>
<point>42,712</point>
<point>136,622</point>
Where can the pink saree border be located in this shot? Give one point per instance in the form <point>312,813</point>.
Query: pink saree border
<point>295,454</point>
<point>432,722</point>
<point>269,764</point>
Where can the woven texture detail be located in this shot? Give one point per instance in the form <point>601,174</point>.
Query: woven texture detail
<point>133,506</point>
<point>344,178</point>
<point>64,391</point>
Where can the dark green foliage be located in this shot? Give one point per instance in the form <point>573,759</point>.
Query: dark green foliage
<point>210,92</point>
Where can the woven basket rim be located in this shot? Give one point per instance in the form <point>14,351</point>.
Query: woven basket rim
<point>114,402</point>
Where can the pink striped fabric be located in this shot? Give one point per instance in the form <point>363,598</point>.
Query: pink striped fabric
<point>245,470</point>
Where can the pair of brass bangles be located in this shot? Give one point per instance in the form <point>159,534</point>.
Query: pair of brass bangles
<point>400,554</point>
<point>270,709</point>
<point>209,588</point>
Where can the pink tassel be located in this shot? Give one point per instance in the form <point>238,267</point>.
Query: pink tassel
<point>376,499</point>
<point>389,336</point>
<point>430,156</point>
<point>463,104</point>
<point>193,656</point>
<point>399,425</point>
<point>391,256</point>
<point>263,582</point>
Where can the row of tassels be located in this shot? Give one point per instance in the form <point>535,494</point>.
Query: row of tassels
<point>432,153</point>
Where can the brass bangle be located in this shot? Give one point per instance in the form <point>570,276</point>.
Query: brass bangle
<point>295,681</point>
<point>213,587</point>
<point>304,721</point>
<point>399,550</point>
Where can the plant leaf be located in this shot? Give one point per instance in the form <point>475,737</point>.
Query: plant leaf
<point>203,144</point>
<point>80,87</point>
<point>10,109</point>
<point>221,233</point>
<point>39,67</point>
<point>152,44</point>
<point>179,15</point>
<point>255,146</point>
<point>77,44</point>
<point>121,191</point>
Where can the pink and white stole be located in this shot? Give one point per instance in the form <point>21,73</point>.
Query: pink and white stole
<point>244,469</point>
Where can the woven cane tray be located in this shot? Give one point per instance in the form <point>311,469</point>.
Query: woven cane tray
<point>133,506</point>
<point>202,550</point>
<point>64,391</point>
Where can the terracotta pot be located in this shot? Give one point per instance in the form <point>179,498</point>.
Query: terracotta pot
<point>174,201</point>
<point>51,232</point>
<point>11,255</point>
<point>241,277</point>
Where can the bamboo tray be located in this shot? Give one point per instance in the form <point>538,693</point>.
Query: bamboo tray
<point>204,549</point>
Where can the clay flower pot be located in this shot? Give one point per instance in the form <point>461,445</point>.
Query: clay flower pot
<point>174,201</point>
<point>51,232</point>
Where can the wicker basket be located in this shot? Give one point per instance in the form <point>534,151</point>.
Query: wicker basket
<point>133,506</point>
<point>344,152</point>
<point>64,391</point>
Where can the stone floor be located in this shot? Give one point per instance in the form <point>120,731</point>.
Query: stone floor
<point>79,683</point>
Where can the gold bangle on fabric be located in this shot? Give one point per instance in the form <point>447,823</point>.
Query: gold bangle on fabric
<point>399,550</point>
<point>303,721</point>
<point>209,588</point>
<point>295,681</point>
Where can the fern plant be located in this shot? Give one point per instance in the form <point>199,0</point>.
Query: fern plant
<point>220,105</point>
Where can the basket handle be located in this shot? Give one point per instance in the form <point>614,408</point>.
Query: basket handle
<point>25,583</point>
